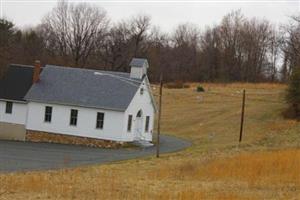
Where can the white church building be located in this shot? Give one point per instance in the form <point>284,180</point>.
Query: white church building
<point>74,105</point>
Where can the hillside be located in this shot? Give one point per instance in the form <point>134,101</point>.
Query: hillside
<point>264,166</point>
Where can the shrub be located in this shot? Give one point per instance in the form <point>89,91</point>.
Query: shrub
<point>200,88</point>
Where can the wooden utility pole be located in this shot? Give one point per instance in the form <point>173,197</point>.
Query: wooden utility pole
<point>242,115</point>
<point>159,116</point>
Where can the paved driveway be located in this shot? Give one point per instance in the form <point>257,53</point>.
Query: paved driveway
<point>26,156</point>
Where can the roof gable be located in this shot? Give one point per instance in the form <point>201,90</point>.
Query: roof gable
<point>83,87</point>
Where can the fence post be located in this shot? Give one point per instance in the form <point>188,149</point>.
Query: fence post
<point>242,116</point>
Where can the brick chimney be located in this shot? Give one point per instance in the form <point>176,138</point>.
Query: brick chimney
<point>36,71</point>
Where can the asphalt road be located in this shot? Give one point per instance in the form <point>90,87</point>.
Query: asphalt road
<point>27,156</point>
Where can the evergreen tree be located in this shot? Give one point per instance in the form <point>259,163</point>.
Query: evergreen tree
<point>293,93</point>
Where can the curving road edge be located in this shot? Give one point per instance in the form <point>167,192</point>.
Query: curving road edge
<point>27,156</point>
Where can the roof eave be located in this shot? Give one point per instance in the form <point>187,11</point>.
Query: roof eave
<point>78,105</point>
<point>151,94</point>
<point>14,100</point>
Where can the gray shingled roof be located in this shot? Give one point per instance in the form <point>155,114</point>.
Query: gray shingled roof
<point>16,82</point>
<point>83,87</point>
<point>139,62</point>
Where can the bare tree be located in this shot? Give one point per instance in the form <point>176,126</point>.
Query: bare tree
<point>237,49</point>
<point>125,40</point>
<point>256,37</point>
<point>72,30</point>
<point>230,34</point>
<point>159,54</point>
<point>274,53</point>
<point>211,56</point>
<point>290,46</point>
<point>116,49</point>
<point>185,43</point>
<point>139,26</point>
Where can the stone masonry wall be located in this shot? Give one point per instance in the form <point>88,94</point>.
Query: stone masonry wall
<point>39,136</point>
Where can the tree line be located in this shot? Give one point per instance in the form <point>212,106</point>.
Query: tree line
<point>82,35</point>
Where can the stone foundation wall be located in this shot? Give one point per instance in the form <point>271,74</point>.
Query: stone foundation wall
<point>39,136</point>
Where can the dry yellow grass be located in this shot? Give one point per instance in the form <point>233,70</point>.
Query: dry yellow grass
<point>265,166</point>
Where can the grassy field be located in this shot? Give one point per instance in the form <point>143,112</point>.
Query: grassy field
<point>264,166</point>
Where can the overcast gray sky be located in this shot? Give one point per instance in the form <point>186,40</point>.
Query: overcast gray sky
<point>166,14</point>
